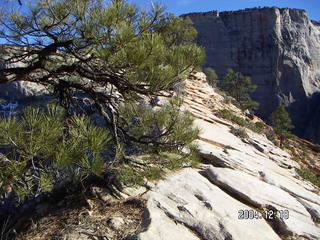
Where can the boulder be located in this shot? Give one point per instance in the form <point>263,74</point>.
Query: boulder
<point>266,197</point>
<point>17,91</point>
<point>187,206</point>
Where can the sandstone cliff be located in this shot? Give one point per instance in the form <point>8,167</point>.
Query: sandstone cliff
<point>279,48</point>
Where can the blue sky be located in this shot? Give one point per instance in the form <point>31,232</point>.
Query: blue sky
<point>185,6</point>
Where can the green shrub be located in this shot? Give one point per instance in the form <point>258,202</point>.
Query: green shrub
<point>174,161</point>
<point>310,176</point>
<point>170,147</point>
<point>227,114</point>
<point>257,127</point>
<point>152,166</point>
<point>260,125</point>
<point>159,129</point>
<point>130,176</point>
<point>239,132</point>
<point>42,149</point>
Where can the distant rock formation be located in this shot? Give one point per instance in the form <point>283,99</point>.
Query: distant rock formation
<point>278,48</point>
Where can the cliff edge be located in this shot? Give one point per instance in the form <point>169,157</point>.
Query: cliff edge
<point>278,48</point>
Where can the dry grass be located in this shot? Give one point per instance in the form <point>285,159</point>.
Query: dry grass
<point>83,219</point>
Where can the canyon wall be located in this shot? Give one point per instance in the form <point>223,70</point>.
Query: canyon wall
<point>278,48</point>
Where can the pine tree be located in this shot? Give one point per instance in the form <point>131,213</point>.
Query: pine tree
<point>239,87</point>
<point>212,76</point>
<point>108,50</point>
<point>112,53</point>
<point>281,123</point>
<point>45,149</point>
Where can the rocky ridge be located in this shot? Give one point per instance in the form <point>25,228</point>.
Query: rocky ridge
<point>251,174</point>
<point>278,48</point>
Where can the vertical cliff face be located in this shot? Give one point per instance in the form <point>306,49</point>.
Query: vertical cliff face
<point>279,48</point>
